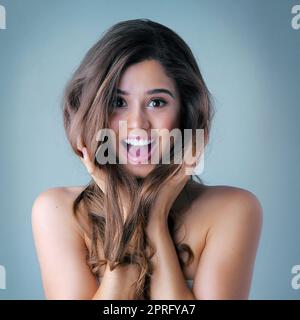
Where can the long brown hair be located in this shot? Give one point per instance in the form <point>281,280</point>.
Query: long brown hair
<point>87,105</point>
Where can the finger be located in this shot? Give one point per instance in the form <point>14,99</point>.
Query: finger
<point>192,163</point>
<point>79,143</point>
<point>178,177</point>
<point>96,173</point>
<point>188,153</point>
<point>90,166</point>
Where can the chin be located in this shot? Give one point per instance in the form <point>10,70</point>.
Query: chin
<point>139,170</point>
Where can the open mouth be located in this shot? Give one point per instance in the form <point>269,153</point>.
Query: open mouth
<point>138,151</point>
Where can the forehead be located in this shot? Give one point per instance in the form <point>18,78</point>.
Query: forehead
<point>147,74</point>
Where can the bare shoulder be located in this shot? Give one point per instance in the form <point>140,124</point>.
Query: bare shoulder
<point>55,203</point>
<point>235,199</point>
<point>60,246</point>
<point>232,220</point>
<point>218,204</point>
<point>59,193</point>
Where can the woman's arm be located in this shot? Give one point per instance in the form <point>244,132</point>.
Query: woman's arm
<point>227,261</point>
<point>167,281</point>
<point>117,284</point>
<point>62,253</point>
<point>226,264</point>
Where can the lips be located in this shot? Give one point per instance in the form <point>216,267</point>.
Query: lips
<point>138,153</point>
<point>137,141</point>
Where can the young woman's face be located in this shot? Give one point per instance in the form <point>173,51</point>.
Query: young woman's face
<point>143,109</point>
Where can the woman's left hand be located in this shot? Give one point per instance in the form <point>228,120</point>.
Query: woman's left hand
<point>169,191</point>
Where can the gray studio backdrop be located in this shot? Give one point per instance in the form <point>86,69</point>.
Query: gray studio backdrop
<point>248,52</point>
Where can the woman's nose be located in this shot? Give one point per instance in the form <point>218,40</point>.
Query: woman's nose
<point>137,118</point>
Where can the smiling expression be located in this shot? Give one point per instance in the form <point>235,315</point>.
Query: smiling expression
<point>147,99</point>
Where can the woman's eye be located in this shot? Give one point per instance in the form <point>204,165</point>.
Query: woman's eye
<point>118,102</point>
<point>157,103</point>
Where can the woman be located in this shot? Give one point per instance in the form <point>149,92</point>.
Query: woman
<point>142,230</point>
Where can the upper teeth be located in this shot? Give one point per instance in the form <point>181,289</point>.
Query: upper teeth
<point>135,142</point>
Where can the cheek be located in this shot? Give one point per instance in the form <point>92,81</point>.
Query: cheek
<point>114,122</point>
<point>168,120</point>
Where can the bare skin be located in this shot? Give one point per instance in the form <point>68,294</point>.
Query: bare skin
<point>145,111</point>
<point>222,226</point>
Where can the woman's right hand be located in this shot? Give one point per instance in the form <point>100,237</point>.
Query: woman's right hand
<point>96,173</point>
<point>99,177</point>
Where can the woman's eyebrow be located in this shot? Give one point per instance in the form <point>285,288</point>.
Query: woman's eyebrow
<point>152,91</point>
